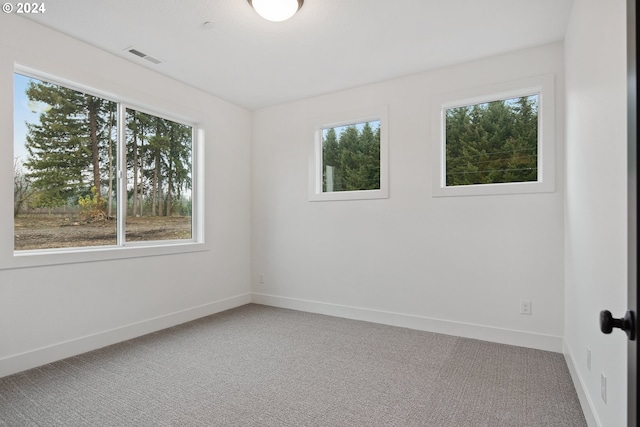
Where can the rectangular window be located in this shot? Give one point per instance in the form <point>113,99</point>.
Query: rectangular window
<point>493,142</point>
<point>497,140</point>
<point>91,172</point>
<point>350,158</point>
<point>158,178</point>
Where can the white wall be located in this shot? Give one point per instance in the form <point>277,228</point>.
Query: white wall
<point>51,312</point>
<point>595,224</point>
<point>457,265</point>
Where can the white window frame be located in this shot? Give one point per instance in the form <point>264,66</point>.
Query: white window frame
<point>543,86</point>
<point>363,115</point>
<point>10,258</point>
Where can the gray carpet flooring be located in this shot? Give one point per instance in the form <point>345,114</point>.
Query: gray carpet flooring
<point>264,366</point>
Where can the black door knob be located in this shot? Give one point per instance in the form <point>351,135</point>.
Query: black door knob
<point>627,323</point>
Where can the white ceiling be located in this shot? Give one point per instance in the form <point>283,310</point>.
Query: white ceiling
<point>329,45</point>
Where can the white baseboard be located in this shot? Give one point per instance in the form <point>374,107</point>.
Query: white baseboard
<point>585,401</point>
<point>448,327</point>
<point>30,359</point>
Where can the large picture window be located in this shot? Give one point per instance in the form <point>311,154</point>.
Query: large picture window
<point>90,172</point>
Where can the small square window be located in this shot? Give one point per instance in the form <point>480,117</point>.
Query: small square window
<point>350,158</point>
<point>497,143</point>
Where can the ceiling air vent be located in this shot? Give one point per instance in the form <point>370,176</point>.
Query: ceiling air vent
<point>143,55</point>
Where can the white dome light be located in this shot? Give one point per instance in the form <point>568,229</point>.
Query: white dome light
<point>276,10</point>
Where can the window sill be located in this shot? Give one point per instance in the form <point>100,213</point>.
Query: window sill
<point>493,189</point>
<point>41,258</point>
<point>349,195</point>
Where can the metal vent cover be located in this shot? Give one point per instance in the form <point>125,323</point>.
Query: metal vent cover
<point>143,55</point>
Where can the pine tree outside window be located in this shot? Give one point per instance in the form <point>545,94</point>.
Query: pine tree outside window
<point>495,140</point>
<point>92,173</point>
<point>349,159</point>
<point>492,142</point>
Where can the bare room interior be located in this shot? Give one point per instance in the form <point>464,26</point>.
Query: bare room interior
<point>354,300</point>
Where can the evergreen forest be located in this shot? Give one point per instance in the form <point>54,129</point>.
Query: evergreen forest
<point>351,157</point>
<point>494,142</point>
<point>72,154</point>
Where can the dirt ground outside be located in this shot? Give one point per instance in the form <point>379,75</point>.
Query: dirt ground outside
<point>44,231</point>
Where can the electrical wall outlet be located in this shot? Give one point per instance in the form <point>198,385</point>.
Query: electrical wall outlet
<point>261,278</point>
<point>603,387</point>
<point>588,358</point>
<point>525,306</point>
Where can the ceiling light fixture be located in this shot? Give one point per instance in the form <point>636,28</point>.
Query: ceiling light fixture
<point>276,10</point>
